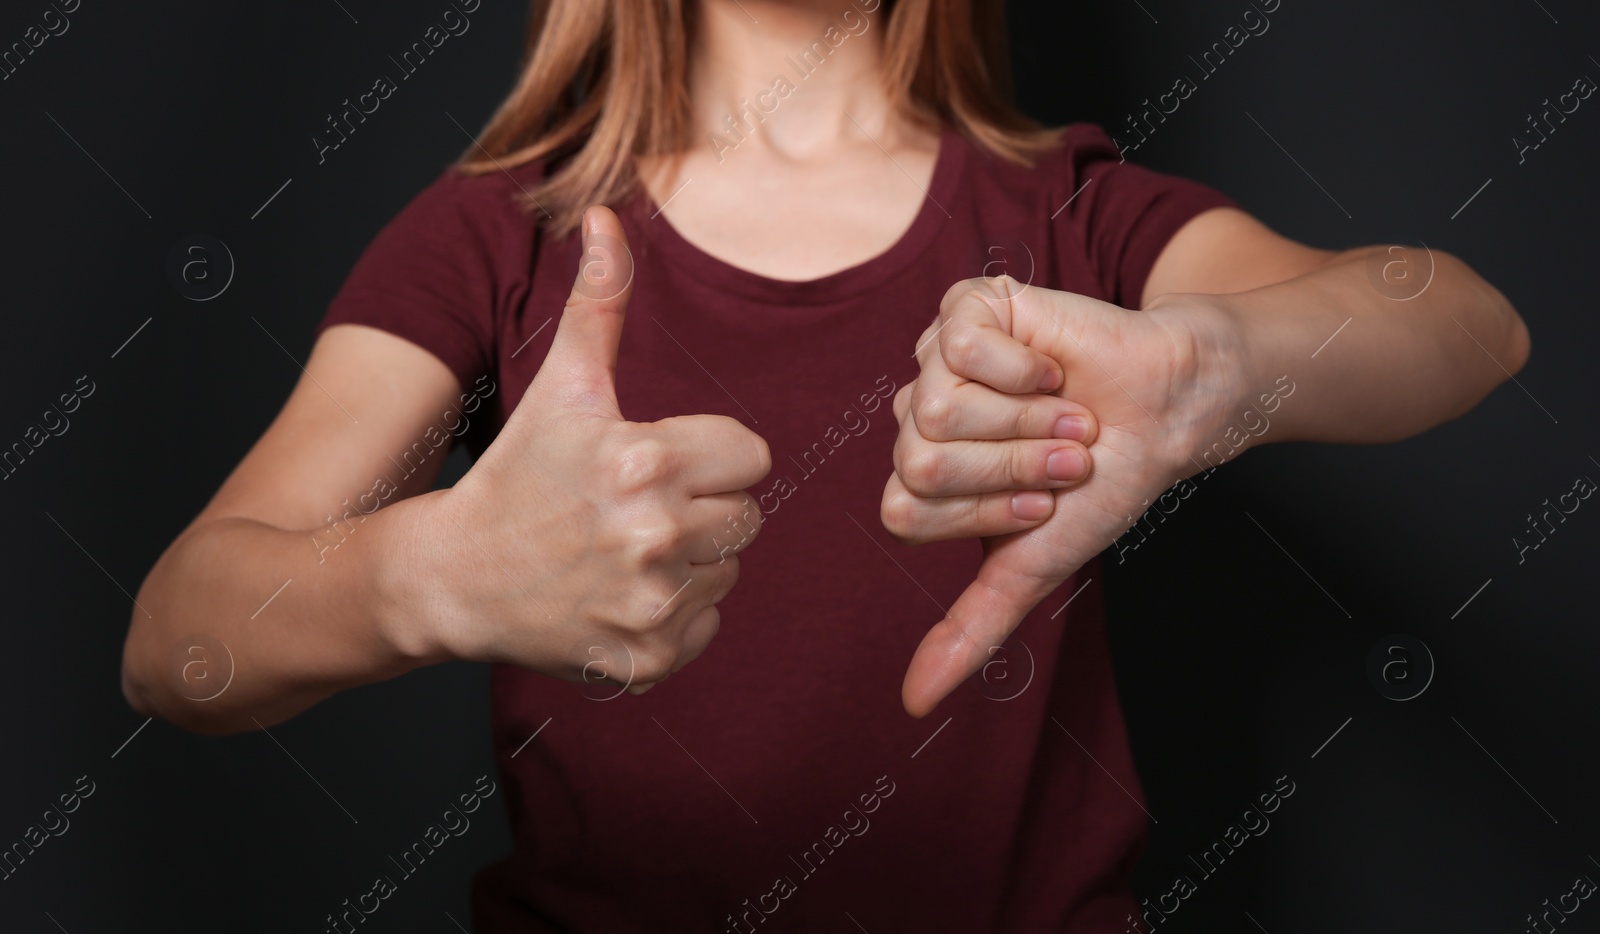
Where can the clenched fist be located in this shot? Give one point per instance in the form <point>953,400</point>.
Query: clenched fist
<point>1043,422</point>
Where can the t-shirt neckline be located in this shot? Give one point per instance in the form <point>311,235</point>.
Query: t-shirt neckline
<point>684,256</point>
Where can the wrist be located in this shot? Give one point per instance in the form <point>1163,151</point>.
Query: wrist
<point>1211,420</point>
<point>409,600</point>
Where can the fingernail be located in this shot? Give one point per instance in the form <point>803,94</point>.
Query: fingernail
<point>1064,464</point>
<point>1031,504</point>
<point>1051,381</point>
<point>1071,427</point>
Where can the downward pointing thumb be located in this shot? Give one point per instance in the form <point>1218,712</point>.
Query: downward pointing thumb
<point>583,353</point>
<point>980,621</point>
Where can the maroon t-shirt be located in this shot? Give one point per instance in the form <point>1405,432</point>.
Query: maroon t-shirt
<point>775,783</point>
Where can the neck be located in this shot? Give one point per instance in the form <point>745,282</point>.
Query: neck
<point>767,70</point>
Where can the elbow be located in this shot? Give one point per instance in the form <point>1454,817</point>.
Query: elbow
<point>149,694</point>
<point>1518,341</point>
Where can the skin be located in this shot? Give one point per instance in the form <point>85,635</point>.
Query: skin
<point>1229,308</point>
<point>576,515</point>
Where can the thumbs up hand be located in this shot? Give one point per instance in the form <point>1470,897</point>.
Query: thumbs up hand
<point>1045,423</point>
<point>580,544</point>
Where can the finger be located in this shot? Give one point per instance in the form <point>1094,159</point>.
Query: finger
<point>721,525</point>
<point>698,635</point>
<point>582,362</point>
<point>946,407</point>
<point>697,586</point>
<point>981,620</point>
<point>714,453</point>
<point>959,468</point>
<point>976,342</point>
<point>917,520</point>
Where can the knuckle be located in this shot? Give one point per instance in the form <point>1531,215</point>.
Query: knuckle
<point>960,349</point>
<point>653,662</point>
<point>650,541</point>
<point>923,471</point>
<point>898,513</point>
<point>642,463</point>
<point>956,292</point>
<point>902,401</point>
<point>934,413</point>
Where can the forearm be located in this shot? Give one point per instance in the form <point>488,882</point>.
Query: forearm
<point>1365,367</point>
<point>241,623</point>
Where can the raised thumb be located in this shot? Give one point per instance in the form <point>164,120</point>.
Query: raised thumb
<point>583,354</point>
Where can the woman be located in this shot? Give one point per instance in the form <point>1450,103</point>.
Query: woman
<point>796,188</point>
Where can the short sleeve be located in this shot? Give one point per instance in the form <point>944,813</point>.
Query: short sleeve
<point>440,273</point>
<point>1125,214</point>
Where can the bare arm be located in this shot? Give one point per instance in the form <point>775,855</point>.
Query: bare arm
<point>327,628</point>
<point>1404,338</point>
<point>560,550</point>
<point>1236,319</point>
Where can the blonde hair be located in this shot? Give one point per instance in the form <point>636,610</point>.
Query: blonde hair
<point>607,80</point>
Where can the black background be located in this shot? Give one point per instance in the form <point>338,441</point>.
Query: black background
<point>1241,628</point>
